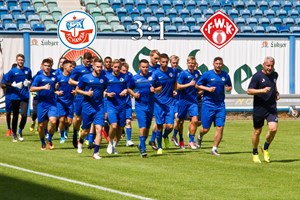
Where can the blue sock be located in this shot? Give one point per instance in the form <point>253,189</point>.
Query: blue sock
<point>46,131</point>
<point>266,145</point>
<point>180,137</point>
<point>96,148</point>
<point>143,143</point>
<point>153,136</point>
<point>166,133</point>
<point>159,139</point>
<point>175,132</point>
<point>128,133</point>
<point>90,137</point>
<point>43,141</point>
<point>20,132</point>
<point>62,134</point>
<point>192,138</point>
<point>50,138</point>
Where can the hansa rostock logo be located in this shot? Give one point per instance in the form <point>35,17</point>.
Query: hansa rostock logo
<point>219,29</point>
<point>76,29</point>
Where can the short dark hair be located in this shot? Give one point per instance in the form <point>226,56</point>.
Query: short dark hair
<point>20,55</point>
<point>14,65</point>
<point>164,55</point>
<point>87,55</point>
<point>107,57</point>
<point>47,60</point>
<point>143,61</point>
<point>218,58</point>
<point>98,60</point>
<point>67,62</point>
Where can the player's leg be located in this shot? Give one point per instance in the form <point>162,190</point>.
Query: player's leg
<point>16,107</point>
<point>42,123</point>
<point>61,114</point>
<point>160,120</point>
<point>169,121</point>
<point>193,113</point>
<point>143,122</point>
<point>8,109</point>
<point>176,121</point>
<point>99,123</point>
<point>88,116</point>
<point>206,122</point>
<point>24,109</point>
<point>112,117</point>
<point>33,114</point>
<point>77,119</point>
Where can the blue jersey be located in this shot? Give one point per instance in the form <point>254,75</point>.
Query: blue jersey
<point>107,71</point>
<point>153,68</point>
<point>47,96</point>
<point>189,94</point>
<point>78,72</point>
<point>128,100</point>
<point>19,75</point>
<point>53,72</point>
<point>142,85</point>
<point>117,84</point>
<point>167,80</point>
<point>98,84</point>
<point>59,71</point>
<point>211,79</point>
<point>8,88</point>
<point>63,85</point>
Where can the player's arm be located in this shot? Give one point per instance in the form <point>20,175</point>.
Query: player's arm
<point>205,88</point>
<point>39,88</point>
<point>252,91</point>
<point>183,86</point>
<point>85,93</point>
<point>73,82</point>
<point>136,95</point>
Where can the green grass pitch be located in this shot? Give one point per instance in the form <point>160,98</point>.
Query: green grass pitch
<point>177,174</point>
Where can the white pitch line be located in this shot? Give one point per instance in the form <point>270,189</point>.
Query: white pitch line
<point>75,182</point>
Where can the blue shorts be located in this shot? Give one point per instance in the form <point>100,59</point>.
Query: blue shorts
<point>260,114</point>
<point>184,109</point>
<point>216,115</point>
<point>116,116</point>
<point>129,112</point>
<point>164,114</point>
<point>45,111</point>
<point>78,105</point>
<point>176,106</point>
<point>8,105</point>
<point>199,110</point>
<point>144,117</point>
<point>105,104</point>
<point>92,115</point>
<point>65,110</point>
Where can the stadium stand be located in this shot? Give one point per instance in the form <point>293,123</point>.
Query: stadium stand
<point>246,29</point>
<point>146,12</point>
<point>195,29</point>
<point>171,29</point>
<point>271,29</point>
<point>258,29</point>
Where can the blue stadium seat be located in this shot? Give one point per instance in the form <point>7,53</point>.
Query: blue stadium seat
<point>33,19</point>
<point>1,27</point>
<point>252,21</point>
<point>51,27</point>
<point>281,13</point>
<point>263,5</point>
<point>196,13</point>
<point>202,5</point>
<point>288,22</point>
<point>239,5</point>
<point>293,13</point>
<point>271,29</point>
<point>184,13</point>
<point>104,4</point>
<point>131,28</point>
<point>245,13</point>
<point>264,22</point>
<point>172,13</point>
<point>190,21</point>
<point>153,4</point>
<point>296,5</point>
<point>183,29</point>
<point>227,5</point>
<point>113,20</point>
<point>155,29</point>
<point>2,3</point>
<point>215,5</point>
<point>251,5</point>
<point>134,12</point>
<point>100,20</point>
<point>37,3</point>
<point>24,27</point>
<point>233,13</point>
<point>246,29</point>
<point>190,4</point>
<point>146,12</point>
<point>128,4</point>
<point>10,27</point>
<point>42,11</point>
<point>171,29</point>
<point>108,12</point>
<point>11,3</point>
<point>29,11</point>
<point>258,29</point>
<point>139,18</point>
<point>15,10</point>
<point>208,12</point>
<point>257,13</point>
<point>167,20</point>
<point>152,21</point>
<point>141,4</point>
<point>159,13</point>
<point>105,28</point>
<point>118,28</point>
<point>177,21</point>
<point>195,29</point>
<point>240,21</point>
<point>295,29</point>
<point>297,21</point>
<point>200,21</point>
<point>165,4</point>
<point>145,28</point>
<point>286,5</point>
<point>121,12</point>
<point>283,29</point>
<point>115,4</point>
<point>38,27</point>
<point>55,11</point>
<point>269,13</point>
<point>274,5</point>
<point>95,12</point>
<point>276,22</point>
<point>3,10</point>
<point>20,19</point>
<point>50,4</point>
<point>178,4</point>
<point>6,18</point>
<point>126,20</point>
<point>222,10</point>
<point>90,4</point>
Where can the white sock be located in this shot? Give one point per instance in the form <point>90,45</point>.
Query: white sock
<point>214,148</point>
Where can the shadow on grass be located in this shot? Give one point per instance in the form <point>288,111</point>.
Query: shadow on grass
<point>237,152</point>
<point>12,188</point>
<point>286,161</point>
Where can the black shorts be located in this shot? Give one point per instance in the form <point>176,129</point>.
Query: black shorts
<point>261,113</point>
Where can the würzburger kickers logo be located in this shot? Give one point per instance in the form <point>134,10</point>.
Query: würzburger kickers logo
<point>77,29</point>
<point>219,29</point>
